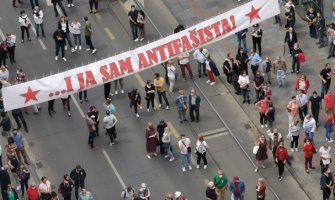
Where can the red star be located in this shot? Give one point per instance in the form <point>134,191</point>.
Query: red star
<point>30,95</point>
<point>253,14</point>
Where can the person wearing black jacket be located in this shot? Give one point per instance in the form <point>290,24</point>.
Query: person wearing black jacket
<point>194,101</point>
<point>78,175</point>
<point>242,60</point>
<point>60,4</point>
<point>295,60</point>
<point>63,24</point>
<point>257,34</point>
<point>17,114</point>
<point>160,129</point>
<point>321,27</point>
<point>65,188</point>
<point>3,54</point>
<point>228,68</point>
<point>291,38</point>
<point>4,180</point>
<point>59,37</point>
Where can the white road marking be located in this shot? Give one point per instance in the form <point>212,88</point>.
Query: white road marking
<point>2,35</point>
<point>39,40</point>
<point>216,135</point>
<point>78,106</point>
<point>114,168</point>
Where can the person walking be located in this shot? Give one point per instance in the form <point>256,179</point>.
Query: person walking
<point>92,131</point>
<point>309,150</point>
<point>320,27</point>
<point>302,101</point>
<point>172,74</point>
<point>201,149</point>
<point>166,144</point>
<point>329,126</point>
<point>309,126</point>
<point>150,95</point>
<point>260,189</point>
<point>51,109</point>
<point>88,34</point>
<point>302,83</point>
<point>160,130</point>
<point>294,133</point>
<point>212,71</point>
<point>326,78</point>
<point>274,140</point>
<point>20,150</point>
<point>242,60</point>
<point>327,183</point>
<point>263,107</point>
<point>281,157</point>
<point>237,189</point>
<point>135,100</point>
<point>184,63</point>
<point>65,187</point>
<point>18,115</point>
<point>10,45</point>
<point>132,16</point>
<point>81,92</point>
<point>63,24</point>
<point>120,82</point>
<point>85,195</point>
<point>315,105</point>
<point>256,35</point>
<point>241,37</point>
<point>295,60</point>
<point>38,19</point>
<point>94,112</point>
<point>244,81</point>
<point>95,4</point>
<point>200,56</point>
<point>261,154</point>
<point>291,38</point>
<point>109,124</point>
<point>144,192</point>
<point>159,84</point>
<point>75,29</point>
<point>59,37</point>
<point>45,189</point>
<point>60,4</point>
<point>181,104</point>
<point>227,68</point>
<point>151,140</point>
<point>210,191</point>
<point>140,23</point>
<point>185,150</point>
<point>270,115</point>
<point>66,104</point>
<point>25,24</point>
<point>194,101</point>
<point>279,69</point>
<point>78,175</point>
<point>221,183</point>
<point>107,90</point>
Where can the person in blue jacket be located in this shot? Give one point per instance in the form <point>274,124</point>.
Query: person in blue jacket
<point>237,189</point>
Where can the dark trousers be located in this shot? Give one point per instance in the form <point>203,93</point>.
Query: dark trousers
<point>3,61</point>
<point>203,157</point>
<point>294,142</point>
<point>194,109</point>
<point>60,4</point>
<point>303,112</point>
<point>24,29</point>
<point>278,20</point>
<point>324,89</point>
<point>91,139</point>
<point>262,118</point>
<point>308,162</point>
<point>150,100</point>
<point>315,113</point>
<point>81,95</point>
<point>33,5</point>
<point>295,62</point>
<point>112,134</point>
<point>69,1</point>
<point>203,66</point>
<point>107,89</point>
<point>280,167</point>
<point>66,104</point>
<point>245,93</point>
<point>290,47</point>
<point>254,69</point>
<point>67,37</point>
<point>24,184</point>
<point>160,95</point>
<point>0,161</point>
<point>93,2</point>
<point>17,117</point>
<point>89,41</point>
<point>51,106</point>
<point>67,196</point>
<point>133,28</point>
<point>60,46</point>
<point>326,193</point>
<point>76,189</point>
<point>38,27</point>
<point>257,42</point>
<point>14,2</point>
<point>135,107</point>
<point>11,53</point>
<point>312,31</point>
<point>229,77</point>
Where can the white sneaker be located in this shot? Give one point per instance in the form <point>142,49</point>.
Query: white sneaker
<point>205,166</point>
<point>266,125</point>
<point>137,115</point>
<point>292,150</point>
<point>171,159</point>
<point>296,149</point>
<point>141,107</point>
<point>166,156</point>
<point>75,47</point>
<point>148,156</point>
<point>73,50</point>
<point>116,92</point>
<point>331,140</point>
<point>68,5</point>
<point>18,187</point>
<point>94,50</point>
<point>88,49</point>
<point>167,108</point>
<point>262,126</point>
<point>56,58</point>
<point>208,81</point>
<point>79,47</point>
<point>64,59</point>
<point>160,105</point>
<point>111,144</point>
<point>65,47</point>
<point>198,166</point>
<point>268,131</point>
<point>190,167</point>
<point>212,83</point>
<point>72,5</point>
<point>148,110</point>
<point>136,40</point>
<point>184,170</point>
<point>122,91</point>
<point>142,39</point>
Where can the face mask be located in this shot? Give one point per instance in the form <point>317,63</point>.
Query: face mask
<point>244,74</point>
<point>132,9</point>
<point>314,95</point>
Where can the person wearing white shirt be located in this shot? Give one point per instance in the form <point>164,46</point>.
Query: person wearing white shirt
<point>201,149</point>
<point>243,81</point>
<point>184,145</point>
<point>45,188</point>
<point>171,73</point>
<point>24,24</point>
<point>325,156</point>
<point>302,101</point>
<point>109,124</point>
<point>200,56</point>
<point>4,76</point>
<point>309,126</point>
<point>75,29</point>
<point>38,18</point>
<point>185,63</point>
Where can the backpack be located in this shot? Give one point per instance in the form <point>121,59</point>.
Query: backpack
<point>201,149</point>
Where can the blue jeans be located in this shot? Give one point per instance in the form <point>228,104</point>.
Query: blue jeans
<point>321,38</point>
<point>133,28</point>
<point>329,130</point>
<point>67,37</point>
<point>167,148</point>
<point>310,135</point>
<point>278,20</point>
<point>241,197</point>
<point>281,77</point>
<point>38,26</point>
<point>77,37</point>
<point>160,95</point>
<point>185,160</point>
<point>203,66</point>
<point>312,31</point>
<point>244,41</point>
<point>295,61</point>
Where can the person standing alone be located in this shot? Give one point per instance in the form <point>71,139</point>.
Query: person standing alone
<point>91,128</point>
<point>194,102</point>
<point>88,34</point>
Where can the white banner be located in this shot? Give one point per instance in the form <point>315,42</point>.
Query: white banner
<point>142,58</point>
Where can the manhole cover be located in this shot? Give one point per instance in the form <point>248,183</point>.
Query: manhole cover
<point>247,126</point>
<point>39,165</point>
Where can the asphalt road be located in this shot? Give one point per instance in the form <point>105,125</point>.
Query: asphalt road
<point>57,144</point>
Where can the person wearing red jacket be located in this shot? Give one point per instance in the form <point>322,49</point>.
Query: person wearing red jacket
<point>309,149</point>
<point>302,83</point>
<point>281,157</point>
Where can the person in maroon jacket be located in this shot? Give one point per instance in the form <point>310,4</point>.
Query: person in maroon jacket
<point>281,157</point>
<point>135,100</point>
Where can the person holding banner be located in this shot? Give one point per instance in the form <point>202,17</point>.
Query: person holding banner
<point>120,80</point>
<point>200,56</point>
<point>66,104</point>
<point>159,83</point>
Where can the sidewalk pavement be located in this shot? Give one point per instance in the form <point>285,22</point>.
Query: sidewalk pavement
<point>189,11</point>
